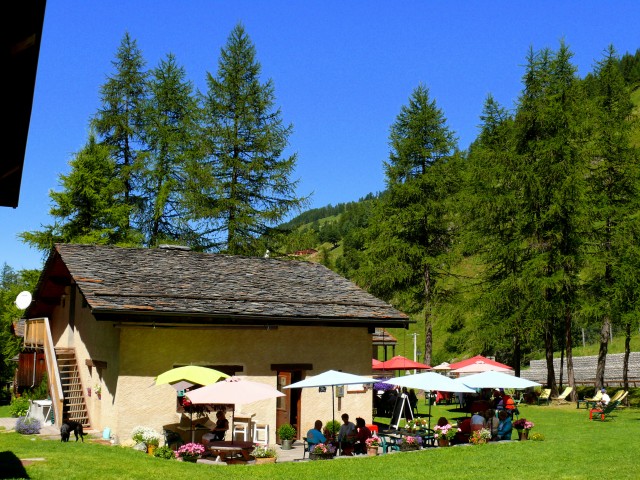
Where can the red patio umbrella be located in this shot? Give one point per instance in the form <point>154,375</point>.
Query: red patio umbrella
<point>401,363</point>
<point>375,362</point>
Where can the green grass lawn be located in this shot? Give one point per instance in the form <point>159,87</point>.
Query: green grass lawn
<point>574,448</point>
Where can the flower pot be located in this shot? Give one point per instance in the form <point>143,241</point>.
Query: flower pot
<point>372,451</point>
<point>320,456</point>
<point>151,449</point>
<point>443,442</point>
<point>523,435</point>
<point>409,448</point>
<point>286,444</point>
<point>260,460</point>
<point>189,458</point>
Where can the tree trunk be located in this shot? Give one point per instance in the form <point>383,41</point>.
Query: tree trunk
<point>627,352</point>
<point>548,346</point>
<point>428,340</point>
<point>568,319</point>
<point>602,354</point>
<point>517,354</point>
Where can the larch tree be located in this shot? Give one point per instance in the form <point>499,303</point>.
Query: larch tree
<point>119,121</point>
<point>241,185</point>
<point>410,231</point>
<point>170,135</point>
<point>90,207</point>
<point>549,136</point>
<point>613,248</point>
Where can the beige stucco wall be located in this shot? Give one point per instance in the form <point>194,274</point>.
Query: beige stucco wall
<point>136,355</point>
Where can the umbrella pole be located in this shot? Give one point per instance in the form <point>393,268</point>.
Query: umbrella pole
<point>429,421</point>
<point>233,423</point>
<point>191,425</point>
<point>333,404</point>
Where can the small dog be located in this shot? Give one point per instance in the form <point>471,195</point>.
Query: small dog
<point>71,426</point>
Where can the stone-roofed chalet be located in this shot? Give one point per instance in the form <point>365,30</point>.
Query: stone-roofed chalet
<point>122,316</point>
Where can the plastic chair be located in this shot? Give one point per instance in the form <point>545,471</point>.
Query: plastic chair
<point>261,430</point>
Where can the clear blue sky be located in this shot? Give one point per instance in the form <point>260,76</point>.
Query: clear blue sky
<point>341,69</point>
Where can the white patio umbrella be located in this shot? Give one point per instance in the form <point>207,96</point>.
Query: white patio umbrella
<point>430,381</point>
<point>480,366</point>
<point>492,379</point>
<point>442,366</point>
<point>331,378</point>
<point>233,391</point>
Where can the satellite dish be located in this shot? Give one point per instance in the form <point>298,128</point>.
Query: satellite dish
<point>23,300</point>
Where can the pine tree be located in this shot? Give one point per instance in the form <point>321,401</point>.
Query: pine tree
<point>549,142</point>
<point>119,122</point>
<point>614,242</point>
<point>169,132</point>
<point>243,185</point>
<point>410,231</point>
<point>90,208</point>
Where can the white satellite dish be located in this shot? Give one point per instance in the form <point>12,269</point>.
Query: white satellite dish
<point>23,300</point>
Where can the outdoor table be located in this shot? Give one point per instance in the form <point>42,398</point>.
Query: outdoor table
<point>226,448</point>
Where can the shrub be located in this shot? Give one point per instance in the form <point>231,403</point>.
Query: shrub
<point>538,437</point>
<point>164,452</point>
<point>28,426</point>
<point>333,426</point>
<point>286,431</point>
<point>19,406</point>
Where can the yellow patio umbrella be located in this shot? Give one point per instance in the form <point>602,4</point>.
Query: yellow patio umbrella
<point>193,374</point>
<point>190,373</point>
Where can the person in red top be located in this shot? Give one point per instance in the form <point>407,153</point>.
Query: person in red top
<point>360,447</point>
<point>507,402</point>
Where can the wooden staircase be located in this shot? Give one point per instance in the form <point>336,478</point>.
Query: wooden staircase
<point>74,407</point>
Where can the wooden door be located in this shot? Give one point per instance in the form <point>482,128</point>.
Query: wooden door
<point>283,405</point>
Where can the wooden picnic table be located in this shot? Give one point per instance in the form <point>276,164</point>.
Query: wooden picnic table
<point>227,448</point>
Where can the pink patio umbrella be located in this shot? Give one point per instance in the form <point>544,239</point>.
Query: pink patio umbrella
<point>233,391</point>
<point>478,367</point>
<point>375,362</point>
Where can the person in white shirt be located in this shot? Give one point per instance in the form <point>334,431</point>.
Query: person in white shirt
<point>605,398</point>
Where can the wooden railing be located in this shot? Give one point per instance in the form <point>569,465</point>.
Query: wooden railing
<point>37,335</point>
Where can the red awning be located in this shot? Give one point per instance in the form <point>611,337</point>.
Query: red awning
<point>401,363</point>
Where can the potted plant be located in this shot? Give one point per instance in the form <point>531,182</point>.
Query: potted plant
<point>523,426</point>
<point>480,437</point>
<point>190,452</point>
<point>98,389</point>
<point>373,443</point>
<point>147,437</point>
<point>264,454</point>
<point>410,443</point>
<point>332,427</point>
<point>322,451</point>
<point>286,433</point>
<point>164,452</point>
<point>444,434</point>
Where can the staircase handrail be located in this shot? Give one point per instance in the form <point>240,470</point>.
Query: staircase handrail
<point>38,333</point>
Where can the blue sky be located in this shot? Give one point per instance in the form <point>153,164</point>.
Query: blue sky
<point>341,70</point>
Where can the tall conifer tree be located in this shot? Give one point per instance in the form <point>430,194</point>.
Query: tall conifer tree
<point>170,133</point>
<point>614,242</point>
<point>243,186</point>
<point>410,230</point>
<point>119,122</point>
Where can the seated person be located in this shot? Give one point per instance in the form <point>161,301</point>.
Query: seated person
<point>465,431</point>
<point>442,421</point>
<point>347,435</point>
<point>477,422</point>
<point>605,399</point>
<point>504,425</point>
<point>219,431</point>
<point>315,435</point>
<point>491,422</point>
<point>360,446</point>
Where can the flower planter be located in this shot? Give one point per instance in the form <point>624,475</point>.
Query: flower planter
<point>320,456</point>
<point>409,448</point>
<point>190,459</point>
<point>286,444</point>
<point>260,460</point>
<point>523,435</point>
<point>151,449</point>
<point>443,442</point>
<point>372,451</point>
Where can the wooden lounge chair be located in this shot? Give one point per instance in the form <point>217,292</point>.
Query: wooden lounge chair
<point>617,395</point>
<point>603,412</point>
<point>562,398</point>
<point>545,396</point>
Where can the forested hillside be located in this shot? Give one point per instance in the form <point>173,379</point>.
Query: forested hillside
<point>524,244</point>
